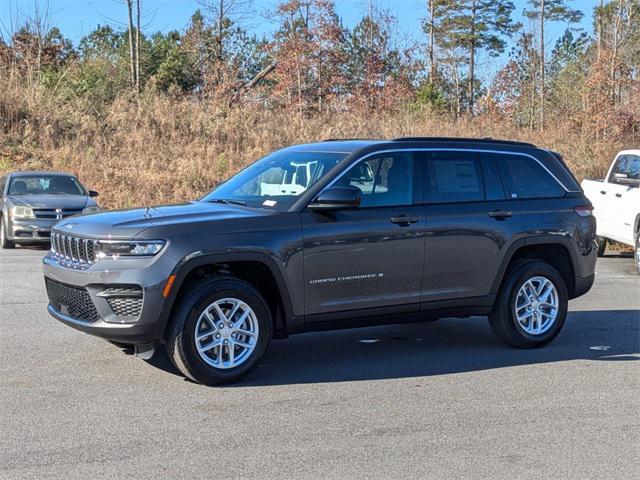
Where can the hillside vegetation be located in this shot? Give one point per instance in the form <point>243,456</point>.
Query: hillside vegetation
<point>164,117</point>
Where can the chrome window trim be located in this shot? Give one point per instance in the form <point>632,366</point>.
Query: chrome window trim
<point>447,149</point>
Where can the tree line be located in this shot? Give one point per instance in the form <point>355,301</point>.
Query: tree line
<point>314,64</point>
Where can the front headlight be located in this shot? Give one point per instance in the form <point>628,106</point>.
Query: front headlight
<point>127,248</point>
<point>92,209</point>
<point>22,212</point>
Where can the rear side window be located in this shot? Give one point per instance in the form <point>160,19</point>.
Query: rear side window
<point>451,176</point>
<point>525,178</point>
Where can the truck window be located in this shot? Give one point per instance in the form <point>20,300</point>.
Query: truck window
<point>628,165</point>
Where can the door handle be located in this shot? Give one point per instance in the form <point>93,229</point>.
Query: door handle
<point>603,192</point>
<point>619,195</point>
<point>500,214</point>
<point>404,220</point>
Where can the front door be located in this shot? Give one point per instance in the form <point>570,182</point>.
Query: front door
<point>371,256</point>
<point>623,191</point>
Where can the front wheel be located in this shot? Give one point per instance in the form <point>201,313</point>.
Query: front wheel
<point>4,241</point>
<point>531,306</point>
<point>220,331</point>
<point>637,253</point>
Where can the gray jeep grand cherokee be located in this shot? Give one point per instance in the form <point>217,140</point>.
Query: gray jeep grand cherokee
<point>333,234</point>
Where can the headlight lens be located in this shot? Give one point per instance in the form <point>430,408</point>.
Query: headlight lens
<point>127,248</point>
<point>92,209</point>
<point>22,212</point>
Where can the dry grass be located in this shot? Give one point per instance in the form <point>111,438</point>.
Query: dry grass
<point>161,150</point>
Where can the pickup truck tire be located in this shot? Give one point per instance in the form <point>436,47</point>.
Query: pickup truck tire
<point>636,253</point>
<point>602,246</point>
<point>4,241</point>
<point>520,279</point>
<point>205,317</point>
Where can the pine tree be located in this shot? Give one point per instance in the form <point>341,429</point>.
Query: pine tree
<point>548,11</point>
<point>477,25</point>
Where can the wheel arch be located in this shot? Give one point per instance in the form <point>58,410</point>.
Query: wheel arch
<point>272,285</point>
<point>554,250</point>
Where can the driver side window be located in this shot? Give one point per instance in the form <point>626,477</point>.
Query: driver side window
<point>384,180</point>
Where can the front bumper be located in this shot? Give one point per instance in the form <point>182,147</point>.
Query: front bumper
<point>31,230</point>
<point>148,275</point>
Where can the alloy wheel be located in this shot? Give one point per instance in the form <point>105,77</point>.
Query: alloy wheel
<point>226,333</point>
<point>537,305</point>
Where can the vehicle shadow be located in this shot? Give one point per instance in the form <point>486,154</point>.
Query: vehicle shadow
<point>434,348</point>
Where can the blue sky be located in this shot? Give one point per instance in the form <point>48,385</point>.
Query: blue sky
<point>78,17</point>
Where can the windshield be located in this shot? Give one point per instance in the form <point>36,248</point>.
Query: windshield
<point>45,185</point>
<point>275,181</point>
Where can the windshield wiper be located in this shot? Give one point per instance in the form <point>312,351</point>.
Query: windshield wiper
<point>228,202</point>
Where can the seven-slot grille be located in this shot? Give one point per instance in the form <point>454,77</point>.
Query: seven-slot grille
<point>55,213</point>
<point>72,301</point>
<point>75,249</point>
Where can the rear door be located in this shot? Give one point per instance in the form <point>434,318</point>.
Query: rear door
<point>372,256</point>
<point>470,223</point>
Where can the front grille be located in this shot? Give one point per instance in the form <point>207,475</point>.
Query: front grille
<point>72,301</point>
<point>74,249</point>
<point>55,213</point>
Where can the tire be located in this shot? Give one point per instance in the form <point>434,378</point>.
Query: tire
<point>209,367</point>
<point>503,320</point>
<point>4,241</point>
<point>636,253</point>
<point>602,246</point>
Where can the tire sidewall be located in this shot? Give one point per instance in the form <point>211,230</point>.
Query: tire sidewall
<point>4,240</point>
<point>187,318</point>
<point>636,254</point>
<point>602,246</point>
<point>528,271</point>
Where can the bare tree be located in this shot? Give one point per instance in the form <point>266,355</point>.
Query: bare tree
<point>138,46</point>
<point>132,59</point>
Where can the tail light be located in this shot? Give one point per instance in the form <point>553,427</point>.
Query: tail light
<point>584,210</point>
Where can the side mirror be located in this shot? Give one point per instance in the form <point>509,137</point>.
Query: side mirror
<point>93,193</point>
<point>623,179</point>
<point>337,198</point>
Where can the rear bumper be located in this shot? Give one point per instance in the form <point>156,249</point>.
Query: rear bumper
<point>582,285</point>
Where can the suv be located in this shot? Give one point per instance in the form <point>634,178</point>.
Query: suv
<point>382,232</point>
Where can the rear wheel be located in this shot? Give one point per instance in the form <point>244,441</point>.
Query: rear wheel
<point>602,246</point>
<point>220,331</point>
<point>637,253</point>
<point>531,306</point>
<point>4,241</point>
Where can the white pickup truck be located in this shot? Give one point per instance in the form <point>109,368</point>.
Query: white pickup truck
<point>616,203</point>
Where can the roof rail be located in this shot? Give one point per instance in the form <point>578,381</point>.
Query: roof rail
<point>462,139</point>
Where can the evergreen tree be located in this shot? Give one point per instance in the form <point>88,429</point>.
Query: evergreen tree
<point>548,11</point>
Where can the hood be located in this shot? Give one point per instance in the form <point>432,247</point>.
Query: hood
<point>71,202</point>
<point>130,223</point>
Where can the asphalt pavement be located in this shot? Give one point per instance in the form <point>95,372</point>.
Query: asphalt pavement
<point>434,400</point>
